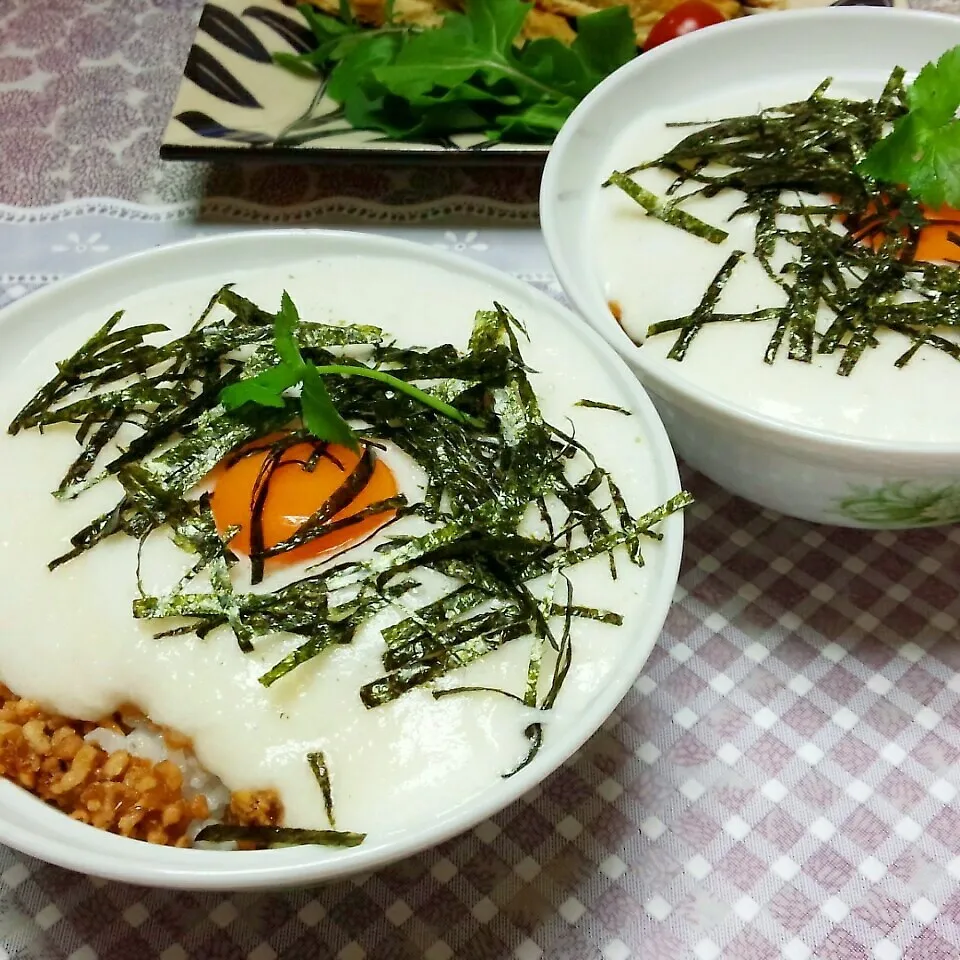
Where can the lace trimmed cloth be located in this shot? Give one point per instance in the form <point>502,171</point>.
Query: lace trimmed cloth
<point>86,89</point>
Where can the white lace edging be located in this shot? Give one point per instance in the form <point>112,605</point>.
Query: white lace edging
<point>97,207</point>
<point>40,279</point>
<point>246,211</point>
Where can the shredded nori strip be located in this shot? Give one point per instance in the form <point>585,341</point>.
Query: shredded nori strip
<point>600,405</point>
<point>482,477</point>
<point>665,210</point>
<point>865,274</point>
<point>320,770</point>
<point>321,522</point>
<point>269,838</point>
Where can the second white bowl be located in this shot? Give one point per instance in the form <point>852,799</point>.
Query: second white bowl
<point>809,473</point>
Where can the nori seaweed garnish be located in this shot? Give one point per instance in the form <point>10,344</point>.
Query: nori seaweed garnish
<point>320,770</point>
<point>865,274</point>
<point>270,838</point>
<point>600,405</point>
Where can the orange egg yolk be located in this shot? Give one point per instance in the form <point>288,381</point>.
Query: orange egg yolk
<point>269,489</point>
<point>933,241</point>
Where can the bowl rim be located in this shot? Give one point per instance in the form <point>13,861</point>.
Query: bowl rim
<point>577,287</point>
<point>118,858</point>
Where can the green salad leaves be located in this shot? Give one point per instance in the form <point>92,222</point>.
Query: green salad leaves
<point>470,74</point>
<point>922,151</point>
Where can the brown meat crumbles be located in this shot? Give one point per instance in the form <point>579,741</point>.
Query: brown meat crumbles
<point>47,754</point>
<point>254,808</point>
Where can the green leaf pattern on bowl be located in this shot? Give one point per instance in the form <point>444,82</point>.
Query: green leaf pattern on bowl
<point>906,503</point>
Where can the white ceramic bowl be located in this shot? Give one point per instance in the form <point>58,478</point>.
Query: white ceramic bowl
<point>36,829</point>
<point>798,471</point>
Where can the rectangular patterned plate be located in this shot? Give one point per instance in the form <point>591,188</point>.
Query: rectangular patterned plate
<point>234,100</point>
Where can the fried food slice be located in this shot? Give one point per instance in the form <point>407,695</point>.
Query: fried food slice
<point>645,13</point>
<point>420,13</point>
<point>548,18</point>
<point>543,23</point>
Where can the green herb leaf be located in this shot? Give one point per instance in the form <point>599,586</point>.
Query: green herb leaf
<point>286,323</point>
<point>265,389</point>
<point>605,40</point>
<point>936,178</point>
<point>357,67</point>
<point>922,151</point>
<point>539,121</point>
<point>320,416</point>
<point>296,64</point>
<point>557,66</point>
<point>319,413</point>
<point>477,42</point>
<point>470,74</point>
<point>327,30</point>
<point>935,94</point>
<point>495,24</point>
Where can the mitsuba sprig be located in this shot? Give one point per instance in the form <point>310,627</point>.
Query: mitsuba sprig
<point>922,151</point>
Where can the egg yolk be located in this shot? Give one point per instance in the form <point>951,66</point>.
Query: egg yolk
<point>934,241</point>
<point>269,489</point>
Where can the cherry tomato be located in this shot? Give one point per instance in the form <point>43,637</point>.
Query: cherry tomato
<point>682,19</point>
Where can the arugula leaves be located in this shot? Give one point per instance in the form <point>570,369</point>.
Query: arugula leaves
<point>922,150</point>
<point>470,74</point>
<point>319,415</point>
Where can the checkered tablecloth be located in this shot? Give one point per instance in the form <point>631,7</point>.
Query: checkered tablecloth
<point>781,783</point>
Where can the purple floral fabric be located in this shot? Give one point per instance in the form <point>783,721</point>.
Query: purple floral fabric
<point>86,90</point>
